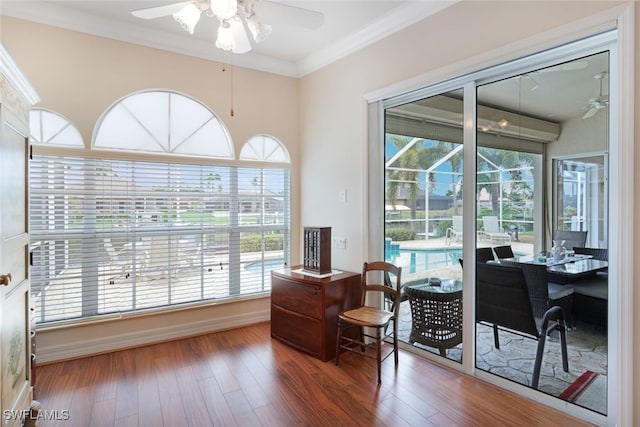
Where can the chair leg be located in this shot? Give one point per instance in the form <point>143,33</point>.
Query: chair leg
<point>379,354</point>
<point>395,340</point>
<point>563,347</point>
<point>338,339</point>
<point>538,362</point>
<point>496,340</point>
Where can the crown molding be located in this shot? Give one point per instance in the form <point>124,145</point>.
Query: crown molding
<point>18,80</point>
<point>59,16</point>
<point>71,19</point>
<point>398,19</point>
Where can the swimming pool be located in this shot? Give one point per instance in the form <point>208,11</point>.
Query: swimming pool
<point>416,260</point>
<point>256,266</point>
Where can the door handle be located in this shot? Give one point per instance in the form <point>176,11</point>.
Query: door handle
<point>5,279</point>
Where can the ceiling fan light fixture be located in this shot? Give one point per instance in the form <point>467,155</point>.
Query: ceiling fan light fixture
<point>224,9</point>
<point>225,39</point>
<point>188,17</point>
<point>259,30</point>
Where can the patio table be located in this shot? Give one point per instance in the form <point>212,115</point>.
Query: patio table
<point>567,270</point>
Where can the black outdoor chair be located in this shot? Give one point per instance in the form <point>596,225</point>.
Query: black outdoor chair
<point>571,239</point>
<point>503,251</point>
<point>503,299</point>
<point>601,254</point>
<point>484,255</point>
<point>545,294</point>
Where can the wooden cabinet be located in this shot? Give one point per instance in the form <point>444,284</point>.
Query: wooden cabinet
<point>304,309</point>
<point>16,392</point>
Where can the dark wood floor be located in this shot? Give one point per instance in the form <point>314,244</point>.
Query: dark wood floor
<point>242,377</point>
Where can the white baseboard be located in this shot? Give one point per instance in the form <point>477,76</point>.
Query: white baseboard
<point>113,342</point>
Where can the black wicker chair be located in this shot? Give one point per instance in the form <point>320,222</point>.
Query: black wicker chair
<point>484,255</point>
<point>571,239</point>
<point>598,253</point>
<point>504,299</point>
<point>503,251</point>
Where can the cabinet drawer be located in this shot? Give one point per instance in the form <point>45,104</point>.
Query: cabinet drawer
<point>301,332</point>
<point>298,297</point>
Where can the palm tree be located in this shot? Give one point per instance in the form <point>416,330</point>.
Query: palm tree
<point>420,157</point>
<point>495,161</point>
<point>404,174</point>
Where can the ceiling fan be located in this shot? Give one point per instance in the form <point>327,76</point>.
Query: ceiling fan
<point>233,15</point>
<point>599,103</point>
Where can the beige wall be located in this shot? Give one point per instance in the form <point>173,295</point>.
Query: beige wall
<point>333,115</point>
<point>79,76</point>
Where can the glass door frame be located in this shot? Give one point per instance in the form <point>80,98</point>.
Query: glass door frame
<point>572,50</point>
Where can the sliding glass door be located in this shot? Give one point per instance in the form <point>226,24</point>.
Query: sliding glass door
<point>541,138</point>
<point>423,218</point>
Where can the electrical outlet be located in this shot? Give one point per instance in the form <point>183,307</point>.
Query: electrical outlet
<point>340,243</point>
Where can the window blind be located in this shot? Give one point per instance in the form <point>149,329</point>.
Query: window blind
<point>110,236</point>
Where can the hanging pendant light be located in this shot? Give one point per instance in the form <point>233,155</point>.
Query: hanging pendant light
<point>225,39</point>
<point>188,17</point>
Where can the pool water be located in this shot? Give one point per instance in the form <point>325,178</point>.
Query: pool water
<point>256,266</point>
<point>416,260</point>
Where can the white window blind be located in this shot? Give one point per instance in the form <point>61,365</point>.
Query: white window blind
<point>112,236</point>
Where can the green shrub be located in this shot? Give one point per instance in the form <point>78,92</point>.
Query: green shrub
<point>253,242</point>
<point>400,234</point>
<point>441,230</point>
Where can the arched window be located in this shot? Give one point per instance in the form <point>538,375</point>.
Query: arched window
<point>162,122</point>
<point>49,128</point>
<point>264,148</point>
<point>135,231</point>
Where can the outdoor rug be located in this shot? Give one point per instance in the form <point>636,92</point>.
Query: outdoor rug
<point>589,390</point>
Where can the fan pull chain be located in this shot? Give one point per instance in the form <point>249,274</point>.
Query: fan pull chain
<point>231,88</point>
<point>224,69</point>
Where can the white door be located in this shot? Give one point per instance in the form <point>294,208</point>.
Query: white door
<point>15,314</point>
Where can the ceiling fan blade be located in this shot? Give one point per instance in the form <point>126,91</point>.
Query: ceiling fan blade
<point>281,13</point>
<point>159,11</point>
<point>240,36</point>
<point>592,112</point>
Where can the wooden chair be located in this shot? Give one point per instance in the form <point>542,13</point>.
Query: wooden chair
<point>389,299</point>
<point>503,300</point>
<point>369,316</point>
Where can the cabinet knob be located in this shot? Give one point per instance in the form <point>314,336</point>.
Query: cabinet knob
<point>5,279</point>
